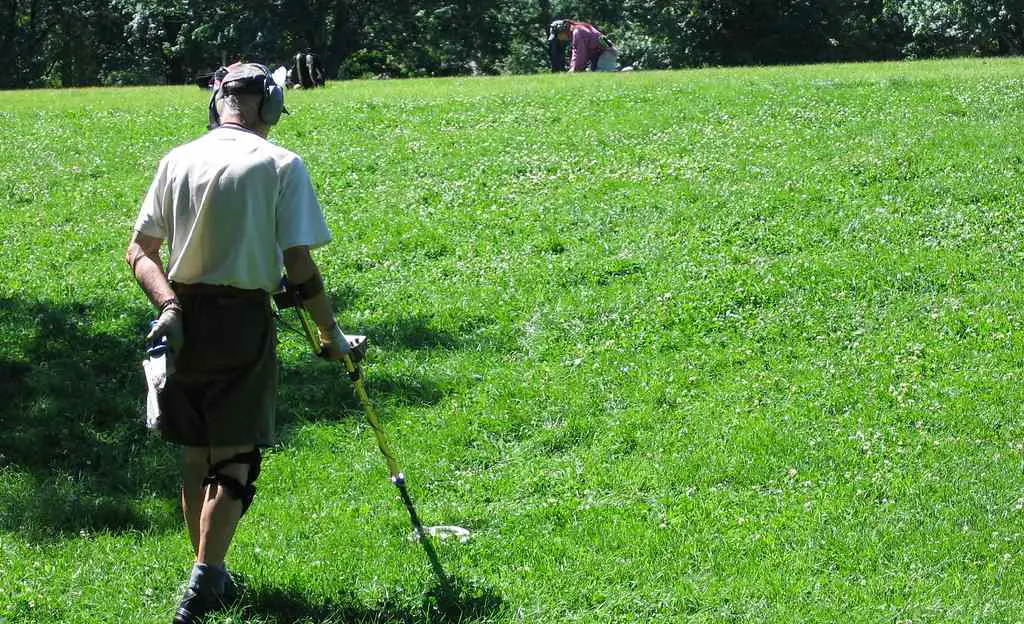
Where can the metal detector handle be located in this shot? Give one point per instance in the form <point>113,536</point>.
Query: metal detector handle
<point>355,375</point>
<point>289,297</point>
<point>158,349</point>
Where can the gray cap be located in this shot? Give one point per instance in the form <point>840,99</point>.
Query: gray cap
<point>251,77</point>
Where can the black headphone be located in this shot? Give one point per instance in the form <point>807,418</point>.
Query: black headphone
<point>271,94</point>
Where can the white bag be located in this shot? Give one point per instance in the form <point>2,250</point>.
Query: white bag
<point>159,366</point>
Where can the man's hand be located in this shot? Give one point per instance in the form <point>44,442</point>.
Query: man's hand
<point>334,345</point>
<point>170,325</point>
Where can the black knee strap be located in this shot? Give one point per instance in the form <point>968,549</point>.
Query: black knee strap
<point>234,487</point>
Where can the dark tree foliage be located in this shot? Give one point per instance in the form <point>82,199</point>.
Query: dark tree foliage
<point>989,27</point>
<point>86,42</point>
<point>760,32</point>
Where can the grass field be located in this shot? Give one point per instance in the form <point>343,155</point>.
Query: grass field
<point>701,346</point>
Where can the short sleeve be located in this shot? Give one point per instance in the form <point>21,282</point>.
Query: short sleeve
<point>151,221</point>
<point>300,221</point>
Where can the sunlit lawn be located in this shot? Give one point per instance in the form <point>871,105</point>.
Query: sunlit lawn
<point>702,346</point>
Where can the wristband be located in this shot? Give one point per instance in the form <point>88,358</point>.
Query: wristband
<point>170,303</point>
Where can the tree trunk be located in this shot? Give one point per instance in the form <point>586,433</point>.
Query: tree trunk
<point>343,39</point>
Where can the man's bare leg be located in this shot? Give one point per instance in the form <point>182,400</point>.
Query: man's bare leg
<point>218,513</point>
<point>220,510</point>
<point>196,467</point>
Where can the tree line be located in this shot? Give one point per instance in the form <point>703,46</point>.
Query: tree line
<point>115,42</point>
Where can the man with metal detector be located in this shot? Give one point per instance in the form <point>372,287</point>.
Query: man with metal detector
<point>235,210</point>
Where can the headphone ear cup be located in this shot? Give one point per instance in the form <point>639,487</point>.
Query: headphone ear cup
<point>214,121</point>
<point>273,102</point>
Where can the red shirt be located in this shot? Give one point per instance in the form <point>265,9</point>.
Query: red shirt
<point>586,46</point>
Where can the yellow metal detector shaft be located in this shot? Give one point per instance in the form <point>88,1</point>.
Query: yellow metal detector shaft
<point>356,376</point>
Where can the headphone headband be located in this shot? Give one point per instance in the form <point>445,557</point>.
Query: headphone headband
<point>248,78</point>
<point>254,86</point>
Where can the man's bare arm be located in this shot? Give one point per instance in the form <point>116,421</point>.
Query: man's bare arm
<point>300,267</point>
<point>143,256</point>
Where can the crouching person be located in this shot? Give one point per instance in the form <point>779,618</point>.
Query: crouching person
<point>590,47</point>
<point>235,210</point>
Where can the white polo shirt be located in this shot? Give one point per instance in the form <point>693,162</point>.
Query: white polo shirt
<point>227,204</point>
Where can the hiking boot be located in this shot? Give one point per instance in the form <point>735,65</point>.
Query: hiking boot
<point>234,585</point>
<point>194,606</point>
<point>204,594</point>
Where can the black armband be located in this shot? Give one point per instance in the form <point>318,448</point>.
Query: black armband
<point>292,295</point>
<point>309,288</point>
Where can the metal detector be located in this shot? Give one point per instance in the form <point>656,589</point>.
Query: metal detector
<point>355,375</point>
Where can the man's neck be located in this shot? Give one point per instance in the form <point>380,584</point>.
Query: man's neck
<point>238,124</point>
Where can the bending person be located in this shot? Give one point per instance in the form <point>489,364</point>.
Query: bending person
<point>234,210</point>
<point>303,79</point>
<point>309,70</point>
<point>590,48</point>
<point>316,68</point>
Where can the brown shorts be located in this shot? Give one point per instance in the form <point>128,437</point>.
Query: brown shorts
<point>222,391</point>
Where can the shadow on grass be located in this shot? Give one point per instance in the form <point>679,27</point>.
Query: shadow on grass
<point>315,390</point>
<point>467,603</point>
<point>417,332</point>
<point>70,407</point>
<point>316,387</point>
<point>74,455</point>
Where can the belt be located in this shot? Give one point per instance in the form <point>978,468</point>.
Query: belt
<point>220,290</point>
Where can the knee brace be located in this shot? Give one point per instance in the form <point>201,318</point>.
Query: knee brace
<point>234,487</point>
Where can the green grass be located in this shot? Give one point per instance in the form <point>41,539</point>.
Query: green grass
<point>703,346</point>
